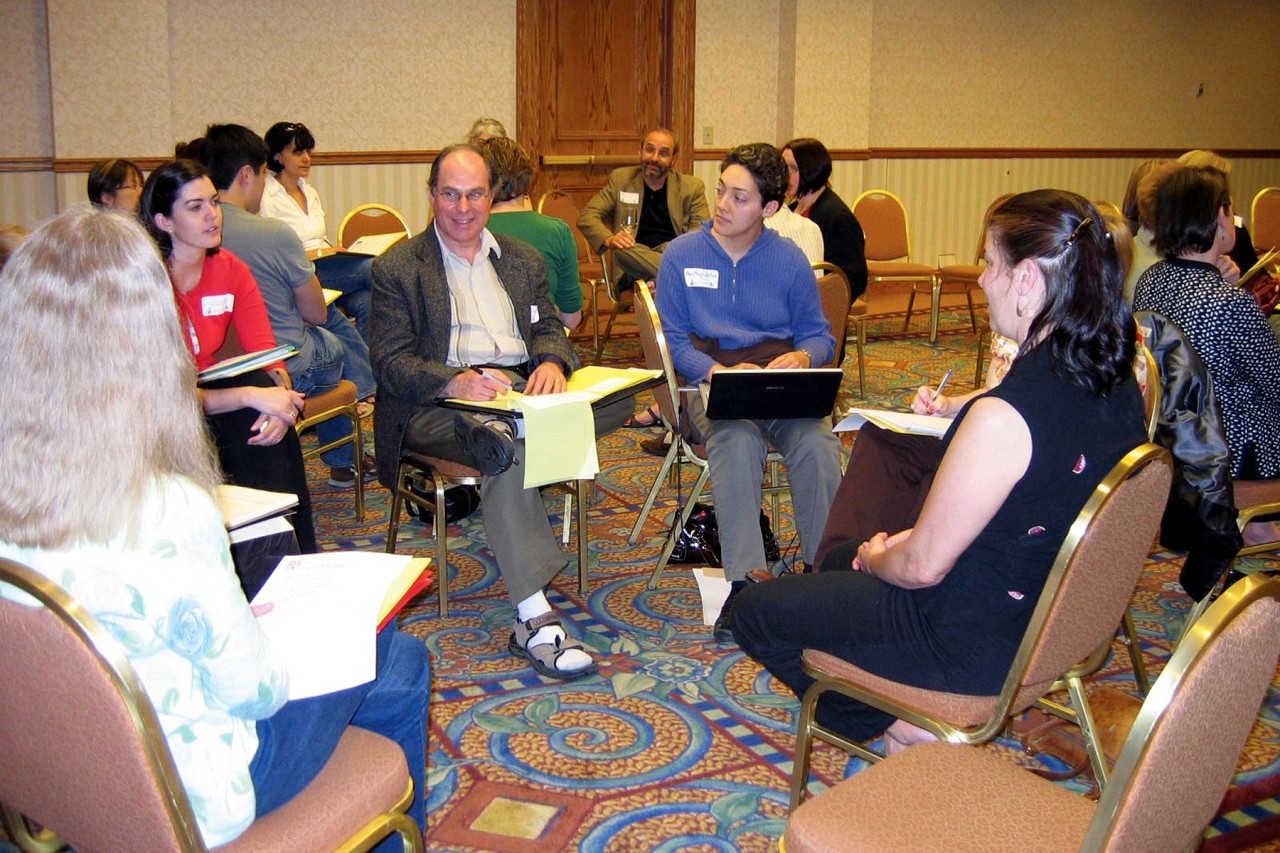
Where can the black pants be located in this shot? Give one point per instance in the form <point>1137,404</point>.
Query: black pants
<point>276,468</point>
<point>850,615</point>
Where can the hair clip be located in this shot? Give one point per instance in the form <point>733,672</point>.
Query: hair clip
<point>1084,223</point>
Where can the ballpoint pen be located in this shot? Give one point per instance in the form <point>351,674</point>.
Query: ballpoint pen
<point>942,384</point>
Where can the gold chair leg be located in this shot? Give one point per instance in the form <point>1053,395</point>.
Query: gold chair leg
<point>393,525</point>
<point>935,305</point>
<point>440,528</point>
<point>618,307</point>
<point>359,463</point>
<point>653,492</point>
<point>584,567</point>
<point>804,746</point>
<point>862,358</point>
<point>1135,653</point>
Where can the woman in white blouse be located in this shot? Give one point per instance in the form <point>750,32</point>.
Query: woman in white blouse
<point>289,198</point>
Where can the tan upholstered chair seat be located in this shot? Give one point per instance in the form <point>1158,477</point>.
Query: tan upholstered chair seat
<point>366,775</point>
<point>976,801</point>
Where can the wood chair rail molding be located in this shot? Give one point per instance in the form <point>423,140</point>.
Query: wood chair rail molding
<point>376,158</point>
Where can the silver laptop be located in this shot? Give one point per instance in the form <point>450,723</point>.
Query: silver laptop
<point>770,394</point>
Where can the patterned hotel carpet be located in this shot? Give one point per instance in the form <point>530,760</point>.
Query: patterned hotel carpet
<point>678,743</point>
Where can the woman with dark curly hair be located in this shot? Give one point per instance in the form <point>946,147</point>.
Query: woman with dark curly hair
<point>944,605</point>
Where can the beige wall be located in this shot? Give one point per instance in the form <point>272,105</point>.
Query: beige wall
<point>131,78</point>
<point>1086,74</point>
<point>25,122</point>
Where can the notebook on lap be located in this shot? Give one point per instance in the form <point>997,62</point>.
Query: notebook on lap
<point>769,394</point>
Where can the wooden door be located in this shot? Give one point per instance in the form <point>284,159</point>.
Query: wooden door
<point>593,77</point>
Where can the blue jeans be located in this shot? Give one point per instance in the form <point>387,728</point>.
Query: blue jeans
<point>295,743</point>
<point>356,366</point>
<point>349,274</point>
<point>323,374</point>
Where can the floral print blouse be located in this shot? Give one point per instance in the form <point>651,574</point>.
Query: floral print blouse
<point>173,602</point>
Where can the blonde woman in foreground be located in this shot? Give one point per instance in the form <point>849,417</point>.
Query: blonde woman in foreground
<point>113,503</point>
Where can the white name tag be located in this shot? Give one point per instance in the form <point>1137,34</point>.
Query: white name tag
<point>212,306</point>
<point>702,278</point>
<point>629,197</point>
<point>533,314</point>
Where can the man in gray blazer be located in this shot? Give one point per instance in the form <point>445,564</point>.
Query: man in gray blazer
<point>665,205</point>
<point>458,312</point>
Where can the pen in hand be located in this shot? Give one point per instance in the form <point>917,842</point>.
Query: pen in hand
<point>942,384</point>
<point>932,407</point>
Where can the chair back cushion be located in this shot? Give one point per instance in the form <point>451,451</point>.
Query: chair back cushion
<point>1186,743</point>
<point>1100,561</point>
<point>1264,219</point>
<point>833,290</point>
<point>74,744</point>
<point>560,204</point>
<point>884,225</point>
<point>370,219</point>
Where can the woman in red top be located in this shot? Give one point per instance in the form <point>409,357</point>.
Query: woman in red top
<point>251,416</point>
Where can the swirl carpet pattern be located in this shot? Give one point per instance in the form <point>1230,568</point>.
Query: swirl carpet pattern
<point>678,742</point>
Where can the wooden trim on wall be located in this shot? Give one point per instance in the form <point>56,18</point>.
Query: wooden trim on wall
<point>26,164</point>
<point>374,158</point>
<point>323,158</point>
<point>1012,153</point>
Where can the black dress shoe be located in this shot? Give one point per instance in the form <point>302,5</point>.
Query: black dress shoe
<point>488,440</point>
<point>723,630</point>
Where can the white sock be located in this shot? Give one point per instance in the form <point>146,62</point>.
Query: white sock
<point>536,605</point>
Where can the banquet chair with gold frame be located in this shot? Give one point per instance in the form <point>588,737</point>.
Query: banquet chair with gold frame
<point>85,756</point>
<point>1264,219</point>
<point>369,219</point>
<point>418,473</point>
<point>883,218</point>
<point>1168,781</point>
<point>1084,598</point>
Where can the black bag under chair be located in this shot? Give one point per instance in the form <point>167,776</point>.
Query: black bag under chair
<point>459,501</point>
<point>699,542</point>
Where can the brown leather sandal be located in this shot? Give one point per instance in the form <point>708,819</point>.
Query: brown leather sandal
<point>543,656</point>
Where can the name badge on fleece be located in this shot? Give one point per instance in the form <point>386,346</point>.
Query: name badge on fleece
<point>533,314</point>
<point>628,197</point>
<point>702,278</point>
<point>212,306</point>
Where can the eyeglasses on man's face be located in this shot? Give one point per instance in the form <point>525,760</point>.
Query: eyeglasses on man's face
<point>452,196</point>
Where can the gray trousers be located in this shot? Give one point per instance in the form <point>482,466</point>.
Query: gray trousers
<point>515,520</point>
<point>640,262</point>
<point>736,451</point>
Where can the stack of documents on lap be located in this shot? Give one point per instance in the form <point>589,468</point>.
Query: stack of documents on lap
<point>559,429</point>
<point>903,422</point>
<point>241,505</point>
<point>321,613</point>
<point>1261,265</point>
<point>241,364</point>
<point>598,385</point>
<point>375,244</point>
